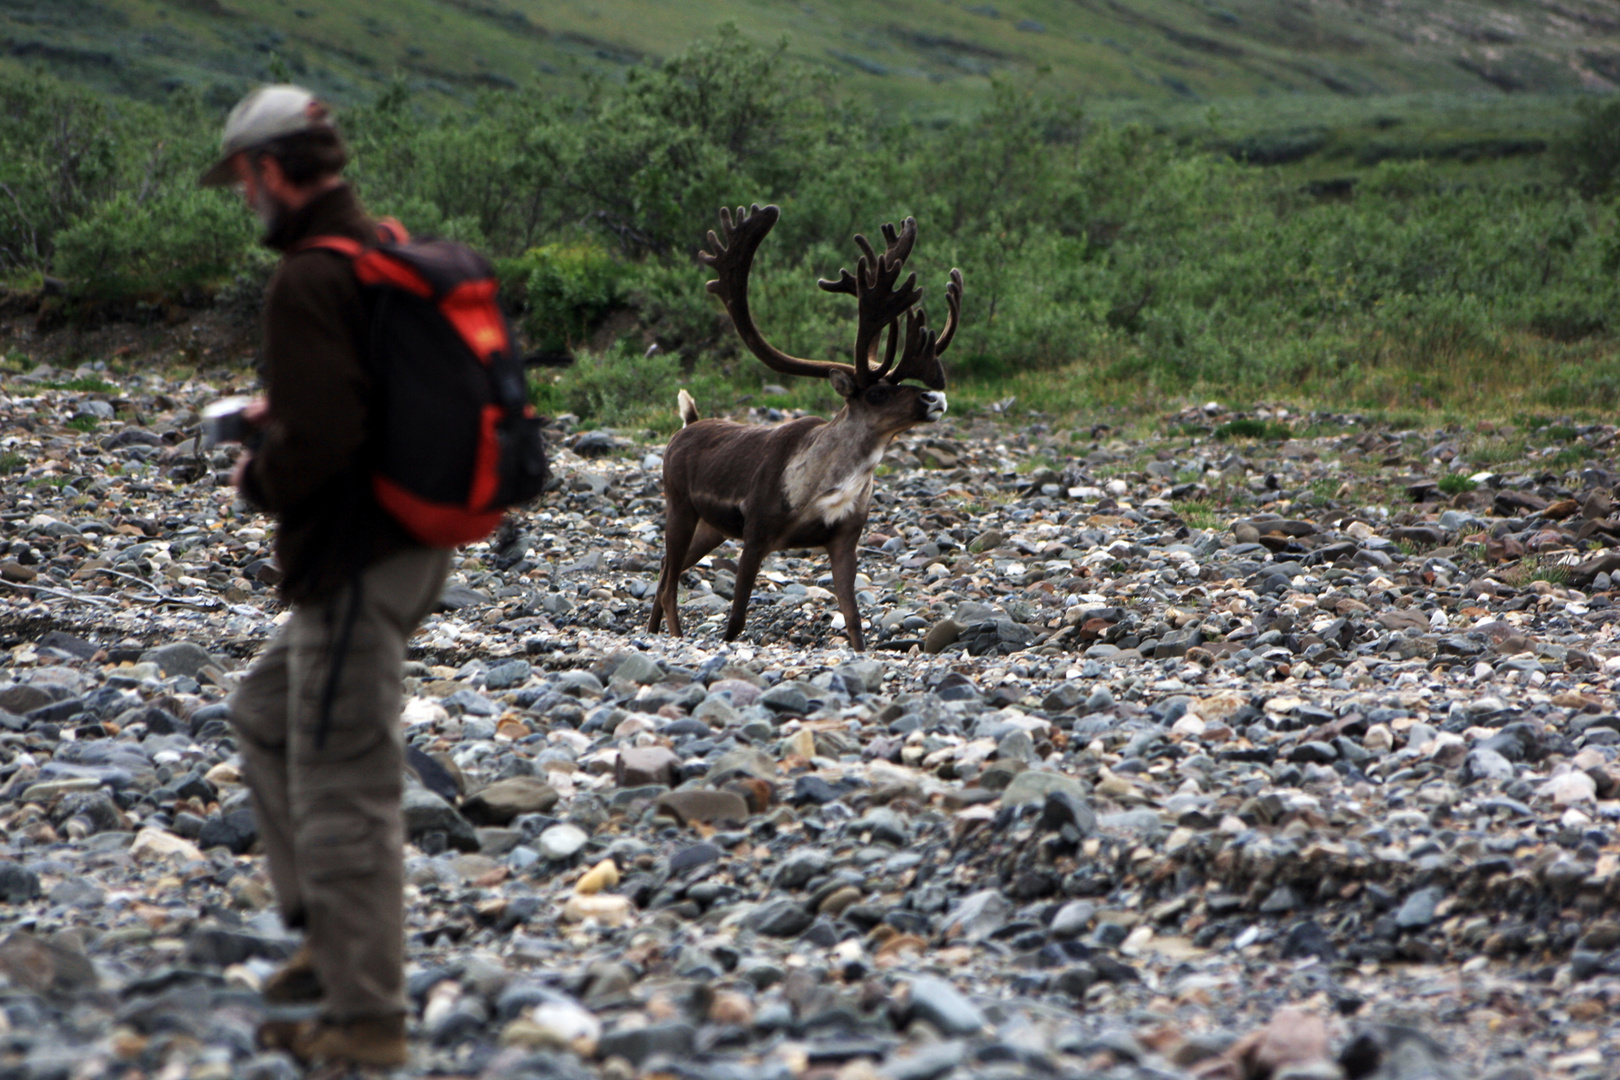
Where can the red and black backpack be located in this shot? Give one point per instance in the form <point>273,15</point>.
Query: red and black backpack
<point>457,442</point>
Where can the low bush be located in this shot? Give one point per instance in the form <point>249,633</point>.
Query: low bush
<point>1590,156</point>
<point>129,249</point>
<point>565,290</point>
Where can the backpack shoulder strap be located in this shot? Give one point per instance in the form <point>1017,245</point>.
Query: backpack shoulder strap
<point>343,245</point>
<point>389,231</point>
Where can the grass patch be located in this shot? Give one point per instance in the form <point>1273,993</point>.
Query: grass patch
<point>86,424</point>
<point>1197,514</point>
<point>1570,457</point>
<point>11,462</point>
<point>1487,450</point>
<point>1535,568</point>
<point>1323,74</point>
<point>88,384</point>
<point>1327,487</point>
<point>1456,484</point>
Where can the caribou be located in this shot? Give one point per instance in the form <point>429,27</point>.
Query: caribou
<point>805,483</point>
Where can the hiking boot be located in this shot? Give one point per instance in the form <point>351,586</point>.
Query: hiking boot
<point>295,982</point>
<point>377,1042</point>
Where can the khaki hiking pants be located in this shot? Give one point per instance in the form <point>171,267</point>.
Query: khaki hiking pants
<point>329,815</point>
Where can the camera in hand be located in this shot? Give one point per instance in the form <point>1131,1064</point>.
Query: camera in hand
<point>224,421</point>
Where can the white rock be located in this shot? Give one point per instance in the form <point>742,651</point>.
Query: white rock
<point>609,909</point>
<point>566,1023</point>
<point>1570,788</point>
<point>562,841</point>
<point>1189,724</point>
<point>421,710</point>
<point>157,844</point>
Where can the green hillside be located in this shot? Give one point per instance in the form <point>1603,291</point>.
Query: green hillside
<point>921,56</point>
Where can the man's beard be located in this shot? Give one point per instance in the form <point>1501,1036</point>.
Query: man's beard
<point>270,210</point>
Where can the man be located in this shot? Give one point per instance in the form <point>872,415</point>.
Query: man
<point>317,719</point>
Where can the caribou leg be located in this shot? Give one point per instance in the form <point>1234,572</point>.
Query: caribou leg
<point>748,563</point>
<point>841,551</point>
<point>706,540</point>
<point>680,522</point>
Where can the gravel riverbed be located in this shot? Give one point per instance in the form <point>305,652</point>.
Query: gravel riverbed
<point>1172,756</point>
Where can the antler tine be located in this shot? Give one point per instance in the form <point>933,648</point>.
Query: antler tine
<point>888,352</point>
<point>900,245</point>
<point>953,311</point>
<point>732,258</point>
<point>923,347</point>
<point>844,284</point>
<point>880,304</point>
<point>898,249</point>
<point>919,360</point>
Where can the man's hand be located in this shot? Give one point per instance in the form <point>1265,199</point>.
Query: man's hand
<point>254,414</point>
<point>239,470</point>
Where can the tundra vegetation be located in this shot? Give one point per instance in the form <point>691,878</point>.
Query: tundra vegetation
<point>1113,264</point>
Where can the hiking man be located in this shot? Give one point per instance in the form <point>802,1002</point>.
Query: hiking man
<point>317,718</point>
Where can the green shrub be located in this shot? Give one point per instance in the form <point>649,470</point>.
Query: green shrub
<point>567,289</point>
<point>1456,484</point>
<point>59,158</point>
<point>129,249</point>
<point>1590,156</point>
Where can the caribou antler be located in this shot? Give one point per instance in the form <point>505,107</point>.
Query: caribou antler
<point>920,361</point>
<point>878,303</point>
<point>898,250</point>
<point>731,258</point>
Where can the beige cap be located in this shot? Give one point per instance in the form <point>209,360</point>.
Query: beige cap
<point>267,114</point>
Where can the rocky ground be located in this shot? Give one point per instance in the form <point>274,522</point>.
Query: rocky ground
<point>1173,756</point>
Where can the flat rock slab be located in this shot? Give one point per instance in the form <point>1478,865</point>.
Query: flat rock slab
<point>704,805</point>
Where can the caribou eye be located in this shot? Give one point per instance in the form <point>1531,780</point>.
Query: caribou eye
<point>879,394</point>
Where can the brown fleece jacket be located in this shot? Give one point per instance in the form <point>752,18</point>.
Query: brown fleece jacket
<point>310,471</point>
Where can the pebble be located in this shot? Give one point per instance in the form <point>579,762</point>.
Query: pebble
<point>562,841</point>
<point>1174,755</point>
<point>939,1003</point>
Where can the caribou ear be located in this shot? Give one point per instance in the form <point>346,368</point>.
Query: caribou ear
<point>843,382</point>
